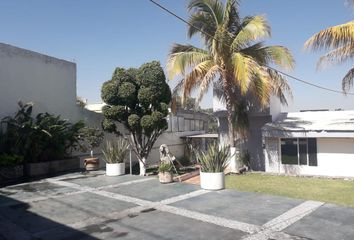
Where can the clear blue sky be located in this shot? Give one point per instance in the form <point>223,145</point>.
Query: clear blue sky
<point>101,35</point>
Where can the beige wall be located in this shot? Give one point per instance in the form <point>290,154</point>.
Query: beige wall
<point>29,76</point>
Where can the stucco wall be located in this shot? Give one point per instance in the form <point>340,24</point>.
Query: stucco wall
<point>335,157</point>
<point>29,76</point>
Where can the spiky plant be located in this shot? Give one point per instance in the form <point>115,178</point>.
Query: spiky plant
<point>115,152</point>
<point>233,56</point>
<point>339,40</point>
<point>215,159</point>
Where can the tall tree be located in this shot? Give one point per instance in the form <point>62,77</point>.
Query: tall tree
<point>233,56</point>
<point>138,99</point>
<point>339,40</point>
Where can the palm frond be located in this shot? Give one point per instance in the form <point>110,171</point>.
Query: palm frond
<point>279,86</point>
<point>244,68</point>
<point>192,79</point>
<point>347,81</point>
<point>206,81</point>
<point>183,57</point>
<point>202,22</point>
<point>260,87</point>
<point>212,8</point>
<point>332,37</point>
<point>336,56</point>
<point>251,29</point>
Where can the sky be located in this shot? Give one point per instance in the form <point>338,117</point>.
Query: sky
<point>102,35</point>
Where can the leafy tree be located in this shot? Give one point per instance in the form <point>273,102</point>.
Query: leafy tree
<point>233,56</point>
<point>137,98</point>
<point>339,40</point>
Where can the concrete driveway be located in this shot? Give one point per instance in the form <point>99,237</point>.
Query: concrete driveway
<point>94,206</point>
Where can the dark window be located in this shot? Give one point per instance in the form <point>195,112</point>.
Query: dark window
<point>299,151</point>
<point>303,151</point>
<point>312,146</point>
<point>289,151</point>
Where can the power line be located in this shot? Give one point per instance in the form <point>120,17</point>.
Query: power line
<point>209,35</point>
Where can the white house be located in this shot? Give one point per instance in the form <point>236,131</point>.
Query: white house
<point>310,143</point>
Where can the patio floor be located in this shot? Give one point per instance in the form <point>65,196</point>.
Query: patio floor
<point>95,206</point>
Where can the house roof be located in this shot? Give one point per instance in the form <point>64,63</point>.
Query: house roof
<point>315,123</point>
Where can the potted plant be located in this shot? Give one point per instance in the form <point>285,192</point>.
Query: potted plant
<point>92,138</point>
<point>114,155</point>
<point>213,163</point>
<point>165,172</point>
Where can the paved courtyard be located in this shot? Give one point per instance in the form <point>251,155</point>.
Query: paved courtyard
<point>95,206</point>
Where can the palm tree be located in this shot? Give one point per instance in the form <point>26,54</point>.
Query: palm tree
<point>339,40</point>
<point>233,56</point>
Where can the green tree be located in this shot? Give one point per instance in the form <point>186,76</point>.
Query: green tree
<point>233,56</point>
<point>339,40</point>
<point>138,99</point>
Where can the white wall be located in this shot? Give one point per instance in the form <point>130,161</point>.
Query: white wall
<point>29,76</point>
<point>335,158</point>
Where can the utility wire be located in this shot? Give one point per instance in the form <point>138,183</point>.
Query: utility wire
<point>283,73</point>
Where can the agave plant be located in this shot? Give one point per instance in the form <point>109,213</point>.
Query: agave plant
<point>215,159</point>
<point>115,152</point>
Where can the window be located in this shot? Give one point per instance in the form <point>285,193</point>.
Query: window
<point>299,151</point>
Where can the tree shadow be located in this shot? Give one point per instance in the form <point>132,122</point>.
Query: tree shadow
<point>18,222</point>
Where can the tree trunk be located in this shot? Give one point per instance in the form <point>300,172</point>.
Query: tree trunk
<point>142,166</point>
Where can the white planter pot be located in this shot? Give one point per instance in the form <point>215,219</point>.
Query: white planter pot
<point>115,169</point>
<point>212,181</point>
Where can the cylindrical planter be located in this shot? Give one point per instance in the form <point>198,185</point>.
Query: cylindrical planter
<point>92,164</point>
<point>212,181</point>
<point>165,177</point>
<point>115,169</point>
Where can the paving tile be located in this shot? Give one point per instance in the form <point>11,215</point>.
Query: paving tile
<point>31,190</point>
<point>43,215</point>
<point>160,225</point>
<point>327,222</point>
<point>101,180</point>
<point>153,190</point>
<point>252,208</point>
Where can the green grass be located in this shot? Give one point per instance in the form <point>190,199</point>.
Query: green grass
<point>325,190</point>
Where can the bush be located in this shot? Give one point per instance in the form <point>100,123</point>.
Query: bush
<point>8,160</point>
<point>41,138</point>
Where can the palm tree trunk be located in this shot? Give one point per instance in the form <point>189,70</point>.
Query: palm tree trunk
<point>230,122</point>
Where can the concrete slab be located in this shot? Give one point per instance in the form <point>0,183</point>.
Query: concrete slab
<point>153,190</point>
<point>252,208</point>
<point>34,217</point>
<point>328,222</point>
<point>160,225</point>
<point>95,181</point>
<point>31,190</point>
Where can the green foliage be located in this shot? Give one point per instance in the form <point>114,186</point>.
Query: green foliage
<point>214,159</point>
<point>41,138</point>
<point>165,167</point>
<point>92,137</point>
<point>7,160</point>
<point>185,161</point>
<point>139,99</point>
<point>115,152</point>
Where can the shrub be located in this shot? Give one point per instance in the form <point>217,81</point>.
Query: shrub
<point>92,137</point>
<point>165,167</point>
<point>41,138</point>
<point>8,160</point>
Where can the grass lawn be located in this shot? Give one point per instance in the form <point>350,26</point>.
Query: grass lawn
<point>324,190</point>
